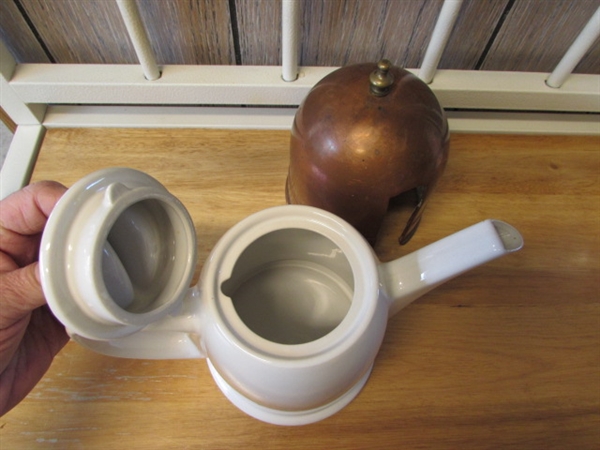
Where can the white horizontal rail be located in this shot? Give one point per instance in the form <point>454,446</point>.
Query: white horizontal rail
<point>523,123</point>
<point>515,91</point>
<point>179,84</point>
<point>263,85</point>
<point>72,116</point>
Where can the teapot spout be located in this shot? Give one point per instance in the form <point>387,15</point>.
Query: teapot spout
<point>407,278</point>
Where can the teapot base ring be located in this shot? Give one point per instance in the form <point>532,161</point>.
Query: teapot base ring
<point>287,418</point>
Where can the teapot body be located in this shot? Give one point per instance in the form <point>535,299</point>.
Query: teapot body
<point>293,314</point>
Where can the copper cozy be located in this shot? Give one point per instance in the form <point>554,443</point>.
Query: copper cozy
<point>365,134</point>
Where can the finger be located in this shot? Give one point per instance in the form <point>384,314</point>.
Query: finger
<point>7,264</point>
<point>26,211</point>
<point>23,216</point>
<point>21,294</point>
<point>25,365</point>
<point>17,250</point>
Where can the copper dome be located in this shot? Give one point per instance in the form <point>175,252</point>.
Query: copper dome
<point>365,134</point>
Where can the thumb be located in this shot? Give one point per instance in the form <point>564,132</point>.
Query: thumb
<point>20,293</point>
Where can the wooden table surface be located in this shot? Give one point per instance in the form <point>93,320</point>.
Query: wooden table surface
<point>506,355</point>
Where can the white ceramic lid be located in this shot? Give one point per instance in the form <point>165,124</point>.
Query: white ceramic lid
<point>118,252</point>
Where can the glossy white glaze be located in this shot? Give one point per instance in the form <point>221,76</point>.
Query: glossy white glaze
<point>408,278</point>
<point>149,230</point>
<point>292,303</point>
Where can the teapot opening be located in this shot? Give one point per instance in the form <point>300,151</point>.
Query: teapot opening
<point>291,286</point>
<point>510,237</point>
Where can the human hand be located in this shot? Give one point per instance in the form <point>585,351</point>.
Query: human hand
<point>30,336</point>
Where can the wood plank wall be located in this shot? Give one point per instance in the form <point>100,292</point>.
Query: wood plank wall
<point>518,35</point>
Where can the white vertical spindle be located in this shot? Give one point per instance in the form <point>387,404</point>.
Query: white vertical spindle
<point>290,38</point>
<point>139,38</point>
<point>25,144</point>
<point>578,49</point>
<point>439,38</point>
<point>22,154</point>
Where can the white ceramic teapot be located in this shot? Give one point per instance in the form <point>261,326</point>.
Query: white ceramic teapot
<point>292,303</point>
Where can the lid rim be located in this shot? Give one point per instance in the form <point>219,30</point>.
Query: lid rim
<point>56,274</point>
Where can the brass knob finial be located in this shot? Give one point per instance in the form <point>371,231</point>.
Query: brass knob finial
<point>381,79</point>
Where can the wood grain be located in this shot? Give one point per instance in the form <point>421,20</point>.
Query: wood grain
<point>536,35</point>
<point>189,31</point>
<point>345,32</point>
<point>76,31</point>
<point>18,36</point>
<point>7,121</point>
<point>473,28</point>
<point>507,355</point>
<point>259,25</point>
<point>89,31</point>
